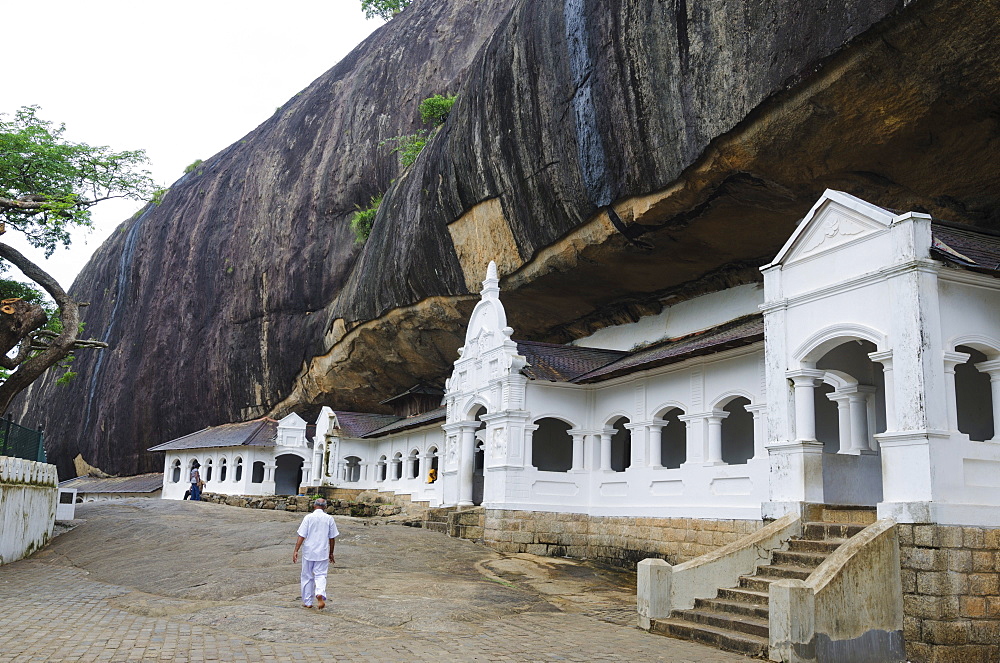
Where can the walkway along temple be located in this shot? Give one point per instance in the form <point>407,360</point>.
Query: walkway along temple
<point>865,371</point>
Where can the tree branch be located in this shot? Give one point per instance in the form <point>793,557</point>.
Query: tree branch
<point>59,347</point>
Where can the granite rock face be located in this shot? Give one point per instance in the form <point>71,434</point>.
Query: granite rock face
<point>708,127</point>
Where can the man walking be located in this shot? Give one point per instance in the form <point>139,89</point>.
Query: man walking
<point>318,532</point>
<point>195,481</point>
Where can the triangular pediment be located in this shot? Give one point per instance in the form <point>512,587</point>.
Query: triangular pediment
<point>292,421</point>
<point>836,219</point>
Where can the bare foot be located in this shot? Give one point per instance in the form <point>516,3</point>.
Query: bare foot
<point>307,607</point>
<point>320,603</point>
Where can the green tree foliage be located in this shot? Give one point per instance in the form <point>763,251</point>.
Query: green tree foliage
<point>434,110</point>
<point>48,185</point>
<point>364,217</point>
<point>384,9</point>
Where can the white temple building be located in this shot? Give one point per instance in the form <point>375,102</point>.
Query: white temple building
<point>864,370</point>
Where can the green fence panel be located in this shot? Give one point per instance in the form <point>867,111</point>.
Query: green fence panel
<point>21,442</point>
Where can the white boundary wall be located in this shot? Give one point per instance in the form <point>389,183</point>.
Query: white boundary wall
<point>28,495</point>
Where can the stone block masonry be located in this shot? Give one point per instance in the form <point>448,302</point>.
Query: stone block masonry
<point>619,541</point>
<point>951,593</point>
<point>337,507</point>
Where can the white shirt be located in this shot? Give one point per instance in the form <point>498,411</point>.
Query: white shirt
<point>317,529</point>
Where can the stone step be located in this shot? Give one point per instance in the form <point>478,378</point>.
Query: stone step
<point>756,583</point>
<point>725,620</point>
<point>855,515</point>
<point>436,526</point>
<point>776,572</point>
<point>731,607</point>
<point>809,560</point>
<point>744,595</point>
<point>812,546</point>
<point>824,531</point>
<point>743,643</point>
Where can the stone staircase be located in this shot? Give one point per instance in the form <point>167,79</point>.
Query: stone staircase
<point>737,619</point>
<point>436,520</point>
<point>467,523</point>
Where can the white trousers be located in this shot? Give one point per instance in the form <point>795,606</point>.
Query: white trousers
<point>314,579</point>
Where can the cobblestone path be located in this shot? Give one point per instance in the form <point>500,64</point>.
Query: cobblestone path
<point>60,606</point>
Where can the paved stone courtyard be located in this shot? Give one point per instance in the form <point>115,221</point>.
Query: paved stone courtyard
<point>181,581</point>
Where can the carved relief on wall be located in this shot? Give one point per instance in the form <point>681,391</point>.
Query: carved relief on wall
<point>499,443</point>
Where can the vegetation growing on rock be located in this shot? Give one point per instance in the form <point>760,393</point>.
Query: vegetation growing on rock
<point>434,110</point>
<point>384,9</point>
<point>361,222</point>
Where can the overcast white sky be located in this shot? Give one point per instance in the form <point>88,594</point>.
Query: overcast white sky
<point>180,79</point>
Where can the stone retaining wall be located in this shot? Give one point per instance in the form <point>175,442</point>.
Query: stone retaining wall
<point>28,495</point>
<point>337,507</point>
<point>951,593</point>
<point>614,540</point>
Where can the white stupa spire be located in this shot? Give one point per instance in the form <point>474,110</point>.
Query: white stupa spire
<point>491,286</point>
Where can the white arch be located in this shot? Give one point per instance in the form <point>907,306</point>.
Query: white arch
<point>615,416</point>
<point>817,345</point>
<point>839,379</point>
<point>472,405</point>
<point>724,400</point>
<point>289,451</point>
<point>558,417</point>
<point>667,406</point>
<point>987,345</point>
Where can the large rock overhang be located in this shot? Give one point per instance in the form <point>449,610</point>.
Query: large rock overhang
<point>905,116</point>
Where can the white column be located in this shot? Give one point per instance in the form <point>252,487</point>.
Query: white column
<point>655,444</point>
<point>606,435</point>
<point>992,368</point>
<point>858,405</point>
<point>885,358</point>
<point>843,421</point>
<point>951,360</point>
<point>466,462</point>
<point>715,437</point>
<point>638,444</point>
<point>363,472</point>
<point>529,431</point>
<point>306,473</point>
<point>759,413</point>
<point>578,457</point>
<point>804,381</point>
<point>695,438</point>
<point>410,460</point>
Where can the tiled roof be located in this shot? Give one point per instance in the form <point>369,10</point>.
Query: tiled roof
<point>257,433</point>
<point>416,421</point>
<point>969,247</point>
<point>140,483</point>
<point>359,424</point>
<point>419,388</point>
<point>733,334</point>
<point>563,363</point>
